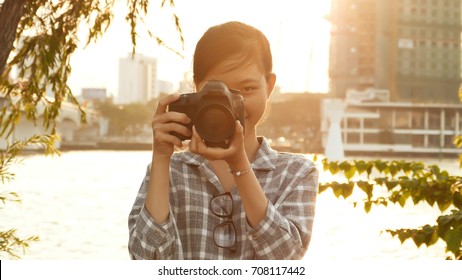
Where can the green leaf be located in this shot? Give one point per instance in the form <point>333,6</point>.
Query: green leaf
<point>444,220</point>
<point>442,177</point>
<point>403,237</point>
<point>434,169</point>
<point>348,169</point>
<point>367,206</point>
<point>457,215</point>
<point>369,169</point>
<point>333,167</point>
<point>416,197</point>
<point>380,165</point>
<point>417,167</point>
<point>322,188</point>
<point>325,164</point>
<point>406,167</point>
<point>337,189</point>
<point>361,166</point>
<point>444,224</point>
<point>392,232</point>
<point>444,204</point>
<point>453,240</point>
<point>366,187</point>
<point>350,172</point>
<point>403,234</point>
<point>431,235</point>
<point>403,198</point>
<point>430,200</point>
<point>391,185</point>
<point>419,238</point>
<point>347,189</point>
<point>381,180</point>
<point>458,141</point>
<point>393,168</point>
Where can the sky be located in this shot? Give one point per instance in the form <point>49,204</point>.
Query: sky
<point>296,29</point>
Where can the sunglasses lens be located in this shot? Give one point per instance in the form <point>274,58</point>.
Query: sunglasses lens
<point>225,235</point>
<point>222,205</point>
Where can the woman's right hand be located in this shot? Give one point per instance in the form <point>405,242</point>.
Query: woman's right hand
<point>164,123</point>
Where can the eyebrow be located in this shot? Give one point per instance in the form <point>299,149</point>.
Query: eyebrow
<point>250,80</point>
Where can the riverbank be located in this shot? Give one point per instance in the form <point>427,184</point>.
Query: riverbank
<point>103,145</point>
<point>147,146</point>
<point>78,204</point>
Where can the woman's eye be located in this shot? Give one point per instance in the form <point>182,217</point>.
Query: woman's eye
<point>247,90</point>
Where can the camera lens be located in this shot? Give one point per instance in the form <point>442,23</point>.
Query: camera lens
<point>215,123</point>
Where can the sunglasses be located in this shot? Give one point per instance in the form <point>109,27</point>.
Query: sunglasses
<point>224,234</point>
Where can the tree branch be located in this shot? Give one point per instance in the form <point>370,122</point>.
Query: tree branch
<point>10,14</point>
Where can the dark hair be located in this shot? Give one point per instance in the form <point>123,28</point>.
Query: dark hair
<point>232,40</point>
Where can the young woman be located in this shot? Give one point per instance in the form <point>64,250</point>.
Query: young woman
<point>246,201</point>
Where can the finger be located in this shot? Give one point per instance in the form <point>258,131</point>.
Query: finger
<point>172,117</point>
<point>167,138</point>
<point>195,139</point>
<point>239,130</point>
<point>163,103</point>
<point>198,146</point>
<point>238,136</point>
<point>195,135</point>
<point>213,153</point>
<point>172,127</point>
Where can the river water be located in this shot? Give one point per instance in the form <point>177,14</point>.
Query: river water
<point>78,204</point>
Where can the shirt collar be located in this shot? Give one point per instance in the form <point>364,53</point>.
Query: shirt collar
<point>265,158</point>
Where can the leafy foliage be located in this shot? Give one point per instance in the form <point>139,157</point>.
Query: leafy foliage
<point>38,65</point>
<point>398,182</point>
<point>9,242</point>
<point>458,143</point>
<point>47,37</point>
<point>129,119</point>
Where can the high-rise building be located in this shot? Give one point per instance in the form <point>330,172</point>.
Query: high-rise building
<point>137,79</point>
<point>165,87</point>
<point>410,47</point>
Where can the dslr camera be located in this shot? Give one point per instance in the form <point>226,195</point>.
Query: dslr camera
<point>213,111</point>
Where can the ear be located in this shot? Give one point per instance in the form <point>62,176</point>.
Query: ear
<point>270,82</point>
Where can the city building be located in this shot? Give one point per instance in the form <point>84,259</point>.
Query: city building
<point>410,47</point>
<point>137,79</point>
<point>91,94</point>
<point>165,87</point>
<point>392,128</point>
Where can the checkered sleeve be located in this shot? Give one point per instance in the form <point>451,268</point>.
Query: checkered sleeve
<point>147,239</point>
<point>285,232</point>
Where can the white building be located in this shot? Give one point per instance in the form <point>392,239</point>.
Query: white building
<point>94,93</point>
<point>137,79</point>
<point>165,87</point>
<point>71,130</point>
<point>372,126</point>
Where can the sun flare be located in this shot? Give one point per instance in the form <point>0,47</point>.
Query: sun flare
<point>297,30</point>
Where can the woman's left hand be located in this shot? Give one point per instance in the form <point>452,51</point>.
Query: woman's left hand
<point>232,155</point>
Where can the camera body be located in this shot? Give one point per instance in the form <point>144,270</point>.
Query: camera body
<point>213,111</point>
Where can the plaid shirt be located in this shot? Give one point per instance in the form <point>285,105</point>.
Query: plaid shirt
<point>289,181</point>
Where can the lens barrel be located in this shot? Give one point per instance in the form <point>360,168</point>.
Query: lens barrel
<point>215,123</point>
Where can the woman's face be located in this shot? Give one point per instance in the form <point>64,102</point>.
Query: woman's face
<point>254,85</point>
